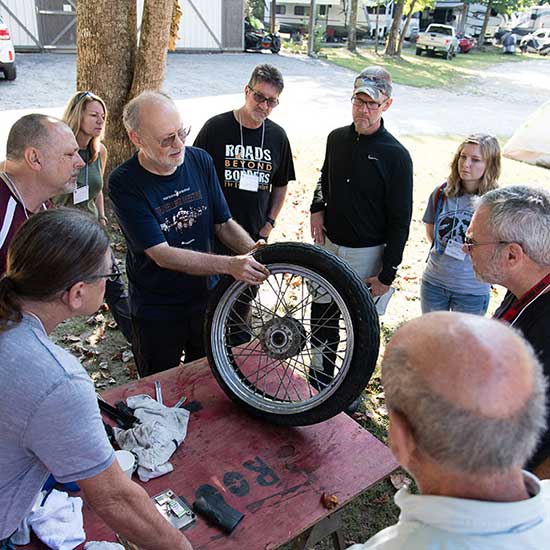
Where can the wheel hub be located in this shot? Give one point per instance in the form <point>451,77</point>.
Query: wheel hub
<point>283,337</point>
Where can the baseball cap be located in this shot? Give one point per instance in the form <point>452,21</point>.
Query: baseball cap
<point>373,81</point>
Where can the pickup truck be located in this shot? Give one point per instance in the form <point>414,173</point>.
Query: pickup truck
<point>439,39</point>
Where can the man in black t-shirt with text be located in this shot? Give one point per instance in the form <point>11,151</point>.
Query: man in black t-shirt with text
<point>252,154</point>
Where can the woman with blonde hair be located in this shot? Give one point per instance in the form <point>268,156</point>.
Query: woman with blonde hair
<point>449,282</point>
<point>86,116</point>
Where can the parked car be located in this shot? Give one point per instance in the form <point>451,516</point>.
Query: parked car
<point>465,43</point>
<point>7,53</point>
<point>439,39</point>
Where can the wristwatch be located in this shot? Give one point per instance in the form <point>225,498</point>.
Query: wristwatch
<point>270,221</point>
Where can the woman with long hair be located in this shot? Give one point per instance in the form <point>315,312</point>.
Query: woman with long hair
<point>449,282</point>
<point>50,422</point>
<point>86,116</point>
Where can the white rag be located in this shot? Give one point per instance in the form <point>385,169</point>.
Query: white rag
<point>154,441</point>
<point>57,523</point>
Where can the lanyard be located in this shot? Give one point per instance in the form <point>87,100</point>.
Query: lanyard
<point>517,307</point>
<point>241,129</point>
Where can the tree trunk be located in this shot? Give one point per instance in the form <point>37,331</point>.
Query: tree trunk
<point>391,48</point>
<point>405,27</point>
<point>109,65</point>
<point>150,60</point>
<point>377,21</point>
<point>352,29</point>
<point>481,38</point>
<point>464,17</point>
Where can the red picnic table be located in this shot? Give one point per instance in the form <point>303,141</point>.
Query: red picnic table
<point>274,475</point>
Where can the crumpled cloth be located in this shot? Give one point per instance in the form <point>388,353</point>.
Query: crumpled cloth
<point>101,545</point>
<point>57,523</point>
<point>154,441</point>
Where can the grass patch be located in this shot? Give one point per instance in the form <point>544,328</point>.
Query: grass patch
<point>422,71</point>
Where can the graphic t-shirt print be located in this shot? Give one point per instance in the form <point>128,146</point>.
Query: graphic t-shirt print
<point>181,211</point>
<point>255,162</point>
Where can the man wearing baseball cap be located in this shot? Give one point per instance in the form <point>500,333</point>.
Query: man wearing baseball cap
<point>362,205</point>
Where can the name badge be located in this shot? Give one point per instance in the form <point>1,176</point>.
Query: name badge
<point>454,250</point>
<point>81,194</point>
<point>249,182</point>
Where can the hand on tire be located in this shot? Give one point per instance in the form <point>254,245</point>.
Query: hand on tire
<point>246,268</point>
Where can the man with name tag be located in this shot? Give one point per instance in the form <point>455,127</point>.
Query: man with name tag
<point>42,162</point>
<point>362,205</point>
<point>170,207</point>
<point>509,243</point>
<point>252,154</point>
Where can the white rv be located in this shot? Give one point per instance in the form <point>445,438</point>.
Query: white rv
<point>333,17</point>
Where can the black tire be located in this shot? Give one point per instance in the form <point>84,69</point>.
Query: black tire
<point>418,51</point>
<point>315,269</point>
<point>276,44</point>
<point>10,72</point>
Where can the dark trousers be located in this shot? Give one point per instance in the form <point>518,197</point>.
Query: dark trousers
<point>325,338</point>
<point>158,344</point>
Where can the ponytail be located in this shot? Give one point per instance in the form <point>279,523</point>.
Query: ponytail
<point>10,309</point>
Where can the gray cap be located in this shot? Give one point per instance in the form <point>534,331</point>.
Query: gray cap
<point>373,81</point>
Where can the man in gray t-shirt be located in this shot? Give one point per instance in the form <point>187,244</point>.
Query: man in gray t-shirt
<point>51,427</point>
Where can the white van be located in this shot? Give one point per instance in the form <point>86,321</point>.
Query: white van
<point>7,53</point>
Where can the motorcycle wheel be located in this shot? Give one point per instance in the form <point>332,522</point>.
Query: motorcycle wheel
<point>276,372</point>
<point>276,44</point>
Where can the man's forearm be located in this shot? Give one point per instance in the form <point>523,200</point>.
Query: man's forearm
<point>232,235</point>
<point>135,517</point>
<point>277,200</point>
<point>188,261</point>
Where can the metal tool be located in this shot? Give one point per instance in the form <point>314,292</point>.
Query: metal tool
<point>158,392</point>
<point>180,402</point>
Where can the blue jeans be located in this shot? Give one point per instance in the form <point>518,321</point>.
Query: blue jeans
<point>436,298</point>
<point>6,544</point>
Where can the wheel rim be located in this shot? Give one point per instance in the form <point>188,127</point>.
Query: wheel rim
<point>278,370</point>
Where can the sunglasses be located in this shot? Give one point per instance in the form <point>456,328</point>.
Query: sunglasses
<point>169,141</point>
<point>260,98</point>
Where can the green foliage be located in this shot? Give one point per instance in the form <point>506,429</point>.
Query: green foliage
<point>509,6</point>
<point>425,72</point>
<point>255,8</point>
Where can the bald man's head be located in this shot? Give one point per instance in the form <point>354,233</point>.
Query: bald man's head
<point>471,389</point>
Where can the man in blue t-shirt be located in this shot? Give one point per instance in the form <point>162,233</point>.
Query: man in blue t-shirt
<point>170,207</point>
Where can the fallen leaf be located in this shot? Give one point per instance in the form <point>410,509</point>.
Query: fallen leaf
<point>399,480</point>
<point>329,501</point>
<point>383,499</point>
<point>382,410</point>
<point>126,356</point>
<point>71,338</point>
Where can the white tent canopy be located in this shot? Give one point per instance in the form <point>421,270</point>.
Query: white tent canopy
<point>531,142</point>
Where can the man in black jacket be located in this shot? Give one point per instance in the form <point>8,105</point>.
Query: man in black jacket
<point>362,205</point>
<point>509,243</point>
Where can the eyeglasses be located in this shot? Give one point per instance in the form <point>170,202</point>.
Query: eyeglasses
<point>114,276</point>
<point>259,98</point>
<point>370,105</point>
<point>169,141</point>
<point>470,244</point>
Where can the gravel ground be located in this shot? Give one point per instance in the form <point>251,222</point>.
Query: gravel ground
<point>315,99</point>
